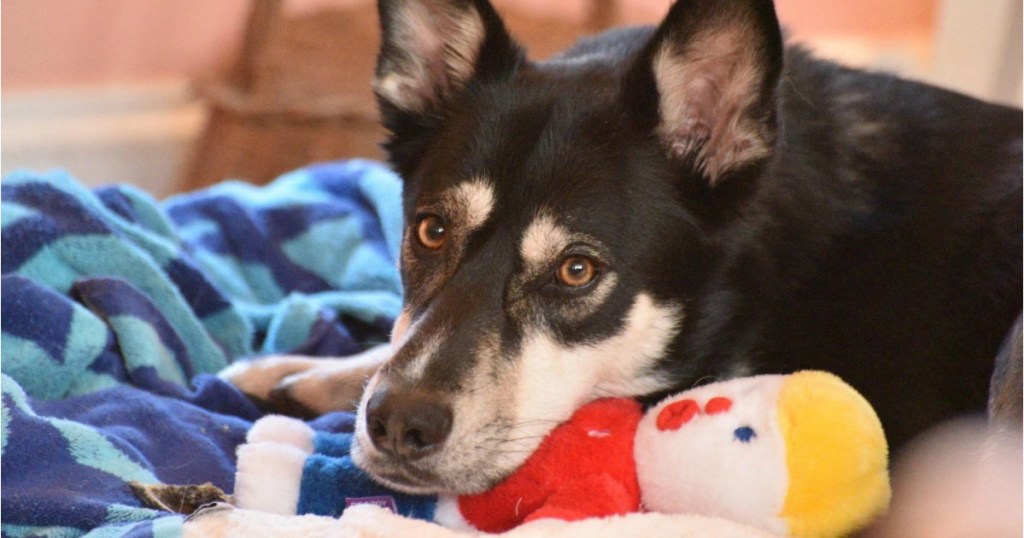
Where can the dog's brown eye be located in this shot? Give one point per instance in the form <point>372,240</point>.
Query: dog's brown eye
<point>576,271</point>
<point>431,232</point>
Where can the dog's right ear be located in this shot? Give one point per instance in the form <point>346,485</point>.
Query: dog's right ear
<point>705,84</point>
<point>431,49</point>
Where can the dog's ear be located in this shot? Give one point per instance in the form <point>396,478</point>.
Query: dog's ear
<point>430,50</point>
<point>705,83</point>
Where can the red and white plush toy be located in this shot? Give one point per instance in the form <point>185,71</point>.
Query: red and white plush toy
<point>795,455</point>
<point>584,468</point>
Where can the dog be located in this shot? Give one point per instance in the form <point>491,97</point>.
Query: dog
<point>655,208</point>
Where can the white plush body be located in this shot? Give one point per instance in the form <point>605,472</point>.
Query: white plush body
<point>704,467</point>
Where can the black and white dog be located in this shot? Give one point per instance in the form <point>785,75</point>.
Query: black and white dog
<point>660,207</point>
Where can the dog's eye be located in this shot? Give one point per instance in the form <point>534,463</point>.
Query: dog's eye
<point>431,232</point>
<point>576,271</point>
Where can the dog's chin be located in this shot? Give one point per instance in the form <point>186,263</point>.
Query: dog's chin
<point>429,476</point>
<point>402,479</point>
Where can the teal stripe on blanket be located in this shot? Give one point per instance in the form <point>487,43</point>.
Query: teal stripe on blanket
<point>109,246</point>
<point>229,271</point>
<point>117,309</point>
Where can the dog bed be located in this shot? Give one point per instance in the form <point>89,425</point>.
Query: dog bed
<point>118,310</point>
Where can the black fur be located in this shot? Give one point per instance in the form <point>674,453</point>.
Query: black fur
<point>880,240</point>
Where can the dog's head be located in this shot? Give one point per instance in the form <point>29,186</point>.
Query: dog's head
<point>557,221</point>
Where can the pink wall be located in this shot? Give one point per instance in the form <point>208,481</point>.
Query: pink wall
<point>883,19</point>
<point>60,42</point>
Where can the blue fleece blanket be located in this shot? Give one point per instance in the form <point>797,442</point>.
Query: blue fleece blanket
<point>117,309</point>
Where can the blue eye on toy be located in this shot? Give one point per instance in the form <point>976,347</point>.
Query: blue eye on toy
<point>744,434</point>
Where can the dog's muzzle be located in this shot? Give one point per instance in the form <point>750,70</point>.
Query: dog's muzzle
<point>407,425</point>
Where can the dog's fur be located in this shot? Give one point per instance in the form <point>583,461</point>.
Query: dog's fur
<point>747,209</point>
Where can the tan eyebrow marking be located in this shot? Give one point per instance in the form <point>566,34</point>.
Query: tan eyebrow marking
<point>543,240</point>
<point>473,199</point>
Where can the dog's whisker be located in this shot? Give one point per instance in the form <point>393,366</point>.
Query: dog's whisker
<point>704,380</point>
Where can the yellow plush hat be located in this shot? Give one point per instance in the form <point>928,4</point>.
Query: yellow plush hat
<point>836,455</point>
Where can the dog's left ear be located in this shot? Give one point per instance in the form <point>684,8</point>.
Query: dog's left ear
<point>431,49</point>
<point>705,83</point>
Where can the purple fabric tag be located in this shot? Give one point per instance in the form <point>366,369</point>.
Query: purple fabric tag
<point>383,501</point>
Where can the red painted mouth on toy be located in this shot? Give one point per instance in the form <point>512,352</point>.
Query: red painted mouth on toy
<point>673,416</point>
<point>676,414</point>
<point>718,404</point>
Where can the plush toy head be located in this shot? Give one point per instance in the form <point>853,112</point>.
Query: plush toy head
<point>800,455</point>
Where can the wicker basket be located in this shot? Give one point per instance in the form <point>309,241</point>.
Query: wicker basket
<point>299,90</point>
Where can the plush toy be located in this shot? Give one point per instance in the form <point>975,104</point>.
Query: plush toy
<point>798,455</point>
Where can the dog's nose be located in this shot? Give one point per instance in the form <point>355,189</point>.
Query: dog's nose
<point>407,424</point>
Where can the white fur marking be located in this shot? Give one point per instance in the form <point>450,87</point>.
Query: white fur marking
<point>617,366</point>
<point>414,370</point>
<point>543,241</point>
<point>476,198</point>
<point>400,330</point>
<point>648,331</point>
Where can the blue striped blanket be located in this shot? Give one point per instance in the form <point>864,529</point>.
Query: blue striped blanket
<point>117,309</point>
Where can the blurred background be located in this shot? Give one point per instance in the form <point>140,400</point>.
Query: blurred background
<point>172,95</point>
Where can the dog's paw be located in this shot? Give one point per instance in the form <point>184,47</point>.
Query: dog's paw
<point>334,386</point>
<point>258,377</point>
<point>306,386</point>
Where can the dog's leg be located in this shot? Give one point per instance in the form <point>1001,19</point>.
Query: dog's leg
<point>305,385</point>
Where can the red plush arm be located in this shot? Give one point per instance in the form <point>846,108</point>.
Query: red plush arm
<point>593,496</point>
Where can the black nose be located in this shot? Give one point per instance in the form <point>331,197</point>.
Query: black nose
<point>407,424</point>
